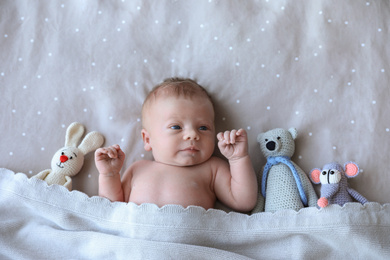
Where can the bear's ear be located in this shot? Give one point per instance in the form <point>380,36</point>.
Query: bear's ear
<point>260,137</point>
<point>293,132</point>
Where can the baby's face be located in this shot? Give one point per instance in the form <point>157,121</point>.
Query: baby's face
<point>180,130</point>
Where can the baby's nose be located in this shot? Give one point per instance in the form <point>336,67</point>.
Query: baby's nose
<point>63,158</point>
<point>191,135</point>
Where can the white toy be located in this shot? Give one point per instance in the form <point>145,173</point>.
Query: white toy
<point>67,161</point>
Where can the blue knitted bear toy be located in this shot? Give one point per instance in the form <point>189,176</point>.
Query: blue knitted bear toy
<point>334,184</point>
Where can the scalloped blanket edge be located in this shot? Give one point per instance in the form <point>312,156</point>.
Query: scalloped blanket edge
<point>41,221</point>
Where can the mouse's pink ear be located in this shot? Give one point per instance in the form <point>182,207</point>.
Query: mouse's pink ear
<point>351,169</point>
<point>315,175</point>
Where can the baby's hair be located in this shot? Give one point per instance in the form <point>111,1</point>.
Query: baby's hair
<point>184,87</point>
<point>179,87</point>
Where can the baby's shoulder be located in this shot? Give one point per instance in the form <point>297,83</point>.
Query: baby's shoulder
<point>141,164</point>
<point>217,162</point>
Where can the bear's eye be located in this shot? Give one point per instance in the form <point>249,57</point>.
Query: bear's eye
<point>331,172</point>
<point>266,140</point>
<point>278,138</point>
<point>324,173</point>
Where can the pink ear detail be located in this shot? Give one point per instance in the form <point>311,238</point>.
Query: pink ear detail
<point>351,169</point>
<point>315,175</point>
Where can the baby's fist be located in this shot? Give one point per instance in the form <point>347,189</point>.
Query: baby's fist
<point>233,144</point>
<point>109,160</point>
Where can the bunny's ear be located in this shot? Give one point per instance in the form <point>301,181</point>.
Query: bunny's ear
<point>91,142</point>
<point>73,134</point>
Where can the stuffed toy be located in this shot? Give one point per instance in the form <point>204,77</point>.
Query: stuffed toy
<point>68,160</point>
<point>284,185</point>
<point>334,184</point>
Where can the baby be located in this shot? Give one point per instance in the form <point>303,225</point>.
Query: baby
<point>178,128</point>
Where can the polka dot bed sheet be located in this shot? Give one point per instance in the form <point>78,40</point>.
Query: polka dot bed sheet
<point>321,67</point>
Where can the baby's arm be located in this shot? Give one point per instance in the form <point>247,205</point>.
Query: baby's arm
<point>109,161</point>
<point>236,186</point>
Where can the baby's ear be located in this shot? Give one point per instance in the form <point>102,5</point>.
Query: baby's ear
<point>146,139</point>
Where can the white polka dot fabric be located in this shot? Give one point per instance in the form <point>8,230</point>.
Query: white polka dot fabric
<point>319,66</point>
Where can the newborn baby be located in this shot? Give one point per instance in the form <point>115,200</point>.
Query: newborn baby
<point>178,128</point>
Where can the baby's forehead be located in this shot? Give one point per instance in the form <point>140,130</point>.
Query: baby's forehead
<point>180,90</point>
<point>170,91</point>
<point>173,100</point>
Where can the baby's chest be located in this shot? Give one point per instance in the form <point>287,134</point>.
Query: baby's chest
<point>164,188</point>
<point>171,181</point>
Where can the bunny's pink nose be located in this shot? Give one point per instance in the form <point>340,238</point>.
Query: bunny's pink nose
<point>63,158</point>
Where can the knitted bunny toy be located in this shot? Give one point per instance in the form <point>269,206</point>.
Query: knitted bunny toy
<point>284,185</point>
<point>67,161</point>
<point>334,184</point>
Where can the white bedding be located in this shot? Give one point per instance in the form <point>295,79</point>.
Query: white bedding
<point>51,223</point>
<point>321,66</point>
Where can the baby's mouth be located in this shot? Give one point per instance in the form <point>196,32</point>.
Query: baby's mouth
<point>191,149</point>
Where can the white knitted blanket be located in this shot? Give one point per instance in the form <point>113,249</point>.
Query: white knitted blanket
<point>49,222</point>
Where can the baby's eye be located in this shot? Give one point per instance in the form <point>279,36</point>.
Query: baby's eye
<point>203,128</point>
<point>175,127</point>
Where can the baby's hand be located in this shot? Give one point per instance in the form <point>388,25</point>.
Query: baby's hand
<point>109,160</point>
<point>233,144</point>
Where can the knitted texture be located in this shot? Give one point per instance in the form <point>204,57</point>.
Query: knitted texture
<point>69,160</point>
<point>273,160</point>
<point>334,184</point>
<point>284,185</point>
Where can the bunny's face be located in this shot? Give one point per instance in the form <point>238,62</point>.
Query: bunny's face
<point>67,161</point>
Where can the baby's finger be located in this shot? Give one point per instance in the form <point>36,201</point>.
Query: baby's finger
<point>102,154</point>
<point>233,136</point>
<point>116,146</point>
<point>100,151</point>
<point>112,152</point>
<point>226,137</point>
<point>240,132</point>
<point>121,154</point>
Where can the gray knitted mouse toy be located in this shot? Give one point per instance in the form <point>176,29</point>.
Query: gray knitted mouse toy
<point>334,184</point>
